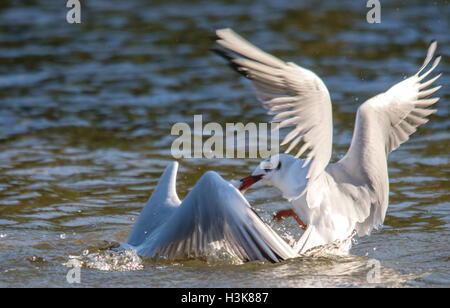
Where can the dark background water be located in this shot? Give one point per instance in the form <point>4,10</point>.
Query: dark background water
<point>86,112</point>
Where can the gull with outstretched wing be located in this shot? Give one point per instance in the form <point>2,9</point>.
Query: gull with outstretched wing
<point>330,200</point>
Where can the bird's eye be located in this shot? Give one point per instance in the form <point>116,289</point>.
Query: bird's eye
<point>278,167</point>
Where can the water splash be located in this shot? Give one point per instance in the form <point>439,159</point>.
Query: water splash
<point>338,247</point>
<point>219,254</point>
<point>110,260</point>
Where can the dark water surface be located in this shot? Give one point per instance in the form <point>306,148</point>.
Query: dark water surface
<point>86,112</point>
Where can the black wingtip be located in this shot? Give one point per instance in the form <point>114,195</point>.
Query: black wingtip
<point>227,56</point>
<point>222,53</point>
<point>213,37</point>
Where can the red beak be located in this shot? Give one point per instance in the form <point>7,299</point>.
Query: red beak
<point>249,181</point>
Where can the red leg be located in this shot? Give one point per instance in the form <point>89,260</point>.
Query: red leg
<point>289,213</point>
<point>282,214</point>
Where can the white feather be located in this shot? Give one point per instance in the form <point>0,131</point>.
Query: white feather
<point>213,215</point>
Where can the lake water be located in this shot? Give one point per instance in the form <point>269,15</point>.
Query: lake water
<point>86,112</point>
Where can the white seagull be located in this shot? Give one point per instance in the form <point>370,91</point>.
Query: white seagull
<point>330,200</point>
<point>213,216</point>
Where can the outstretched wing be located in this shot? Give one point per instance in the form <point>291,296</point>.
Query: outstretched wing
<point>296,96</point>
<point>215,215</point>
<point>382,124</point>
<point>405,105</point>
<point>161,205</point>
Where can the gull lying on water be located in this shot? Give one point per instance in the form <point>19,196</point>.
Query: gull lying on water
<point>329,200</point>
<point>214,215</point>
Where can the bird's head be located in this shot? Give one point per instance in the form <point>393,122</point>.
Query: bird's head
<point>272,171</point>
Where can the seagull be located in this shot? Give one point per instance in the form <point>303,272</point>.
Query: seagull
<point>330,201</point>
<point>214,216</point>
